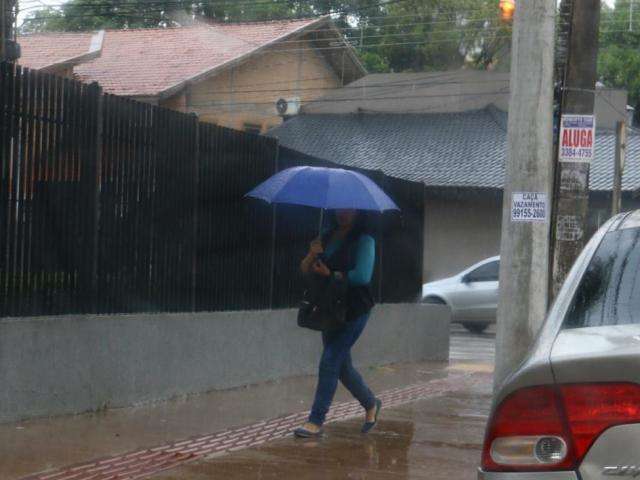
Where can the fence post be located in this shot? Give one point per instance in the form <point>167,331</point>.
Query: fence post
<point>381,180</point>
<point>196,204</point>
<point>92,181</point>
<point>274,219</point>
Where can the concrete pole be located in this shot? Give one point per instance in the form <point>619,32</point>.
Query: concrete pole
<point>524,265</point>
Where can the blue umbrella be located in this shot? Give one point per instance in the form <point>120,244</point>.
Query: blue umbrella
<point>325,188</point>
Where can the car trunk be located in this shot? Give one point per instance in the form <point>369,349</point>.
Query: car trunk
<point>604,357</point>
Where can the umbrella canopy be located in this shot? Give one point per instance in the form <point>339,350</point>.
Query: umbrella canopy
<point>326,188</point>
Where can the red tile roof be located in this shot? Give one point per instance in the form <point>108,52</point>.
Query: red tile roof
<point>48,49</point>
<point>152,61</point>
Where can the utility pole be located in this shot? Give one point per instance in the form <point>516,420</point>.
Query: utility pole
<point>3,28</point>
<point>9,49</point>
<point>524,266</point>
<point>576,151</point>
<point>618,169</point>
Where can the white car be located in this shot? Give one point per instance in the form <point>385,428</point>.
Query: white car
<point>472,294</point>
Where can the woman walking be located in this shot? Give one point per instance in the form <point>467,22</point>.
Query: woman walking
<point>347,253</point>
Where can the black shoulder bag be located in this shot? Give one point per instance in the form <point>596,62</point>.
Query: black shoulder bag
<point>324,305</point>
<point>325,302</point>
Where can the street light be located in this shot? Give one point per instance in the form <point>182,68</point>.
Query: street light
<point>507,9</point>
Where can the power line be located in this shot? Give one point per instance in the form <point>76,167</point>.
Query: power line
<point>163,9</point>
<point>385,44</point>
<point>342,100</point>
<point>454,16</point>
<point>399,83</point>
<point>211,3</point>
<point>134,16</point>
<point>376,45</point>
<point>346,88</point>
<point>615,108</point>
<point>347,40</point>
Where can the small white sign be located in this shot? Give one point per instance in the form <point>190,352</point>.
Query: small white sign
<point>529,207</point>
<point>577,138</point>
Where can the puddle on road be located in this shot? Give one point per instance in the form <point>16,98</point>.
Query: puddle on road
<point>431,439</point>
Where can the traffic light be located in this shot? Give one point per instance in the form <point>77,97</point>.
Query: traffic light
<point>507,9</point>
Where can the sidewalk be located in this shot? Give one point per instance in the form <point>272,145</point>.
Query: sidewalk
<point>437,438</point>
<point>431,427</point>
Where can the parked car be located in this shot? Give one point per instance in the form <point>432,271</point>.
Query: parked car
<point>572,410</point>
<point>471,294</point>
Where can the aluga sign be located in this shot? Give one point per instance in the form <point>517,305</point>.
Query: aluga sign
<point>577,134</point>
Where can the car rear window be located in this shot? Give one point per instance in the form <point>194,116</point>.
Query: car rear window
<point>609,292</point>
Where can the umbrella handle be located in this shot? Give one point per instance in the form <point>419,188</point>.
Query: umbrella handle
<point>321,222</point>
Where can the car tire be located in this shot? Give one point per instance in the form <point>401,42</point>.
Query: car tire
<point>475,327</point>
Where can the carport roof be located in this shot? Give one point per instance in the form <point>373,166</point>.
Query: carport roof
<point>465,149</point>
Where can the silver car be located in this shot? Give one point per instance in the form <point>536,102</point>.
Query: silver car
<point>472,294</point>
<point>572,410</point>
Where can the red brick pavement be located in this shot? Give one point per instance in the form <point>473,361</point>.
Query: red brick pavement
<point>146,462</point>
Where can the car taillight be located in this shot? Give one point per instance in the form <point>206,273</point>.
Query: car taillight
<point>553,427</point>
<point>593,408</point>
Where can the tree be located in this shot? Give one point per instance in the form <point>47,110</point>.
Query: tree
<point>78,15</point>
<point>87,15</point>
<point>619,57</point>
<point>421,35</point>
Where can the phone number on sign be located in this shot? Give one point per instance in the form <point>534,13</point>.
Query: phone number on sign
<point>582,153</point>
<point>528,213</point>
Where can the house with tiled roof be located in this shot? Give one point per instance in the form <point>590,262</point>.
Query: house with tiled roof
<point>228,74</point>
<point>448,131</point>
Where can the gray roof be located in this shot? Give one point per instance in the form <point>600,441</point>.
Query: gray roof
<point>465,149</point>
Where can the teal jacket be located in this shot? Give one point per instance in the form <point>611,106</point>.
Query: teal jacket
<point>365,260</point>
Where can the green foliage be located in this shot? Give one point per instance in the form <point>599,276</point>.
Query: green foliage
<point>86,15</point>
<point>374,62</point>
<point>423,35</point>
<point>619,56</point>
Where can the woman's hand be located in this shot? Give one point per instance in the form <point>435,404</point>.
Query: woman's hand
<point>315,248</point>
<point>320,268</point>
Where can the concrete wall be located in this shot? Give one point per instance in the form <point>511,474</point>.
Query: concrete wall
<point>459,230</point>
<point>71,364</point>
<point>464,227</point>
<point>610,107</point>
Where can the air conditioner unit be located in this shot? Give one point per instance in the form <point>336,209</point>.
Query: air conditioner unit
<point>288,106</point>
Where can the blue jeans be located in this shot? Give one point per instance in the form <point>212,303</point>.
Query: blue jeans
<point>336,364</point>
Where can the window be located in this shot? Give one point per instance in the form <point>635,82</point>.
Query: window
<point>609,292</point>
<point>486,273</point>
<point>253,128</point>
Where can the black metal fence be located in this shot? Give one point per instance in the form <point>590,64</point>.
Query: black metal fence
<point>108,205</point>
